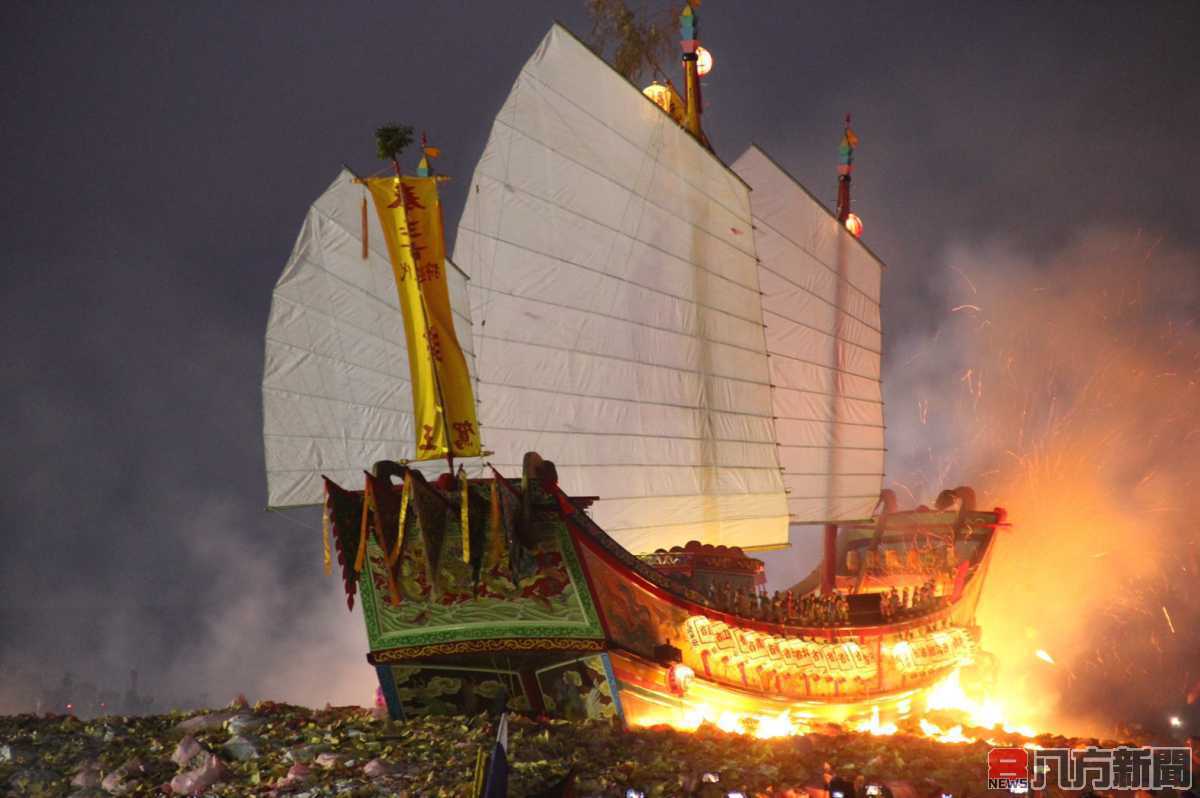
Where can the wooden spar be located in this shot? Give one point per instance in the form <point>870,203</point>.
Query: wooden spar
<point>829,561</point>
<point>691,73</point>
<point>843,200</point>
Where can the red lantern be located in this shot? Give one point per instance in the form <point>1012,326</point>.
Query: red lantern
<point>678,678</point>
<point>854,225</point>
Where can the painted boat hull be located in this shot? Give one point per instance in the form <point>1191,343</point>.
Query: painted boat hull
<point>572,625</point>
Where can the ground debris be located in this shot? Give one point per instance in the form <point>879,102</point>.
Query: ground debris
<point>345,751</point>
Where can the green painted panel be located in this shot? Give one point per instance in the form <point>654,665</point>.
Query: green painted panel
<point>549,599</point>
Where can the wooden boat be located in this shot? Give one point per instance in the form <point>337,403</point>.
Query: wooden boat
<point>704,365</point>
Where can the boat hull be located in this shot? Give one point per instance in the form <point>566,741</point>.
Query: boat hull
<point>573,625</point>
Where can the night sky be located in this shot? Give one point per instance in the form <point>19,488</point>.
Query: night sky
<point>157,162</point>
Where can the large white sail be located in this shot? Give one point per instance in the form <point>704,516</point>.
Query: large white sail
<point>821,306</point>
<point>336,390</point>
<point>618,325</point>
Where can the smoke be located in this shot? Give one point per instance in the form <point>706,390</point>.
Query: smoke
<point>1065,389</point>
<point>256,622</point>
<point>136,536</point>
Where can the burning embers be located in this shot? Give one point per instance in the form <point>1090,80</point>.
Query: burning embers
<point>946,712</point>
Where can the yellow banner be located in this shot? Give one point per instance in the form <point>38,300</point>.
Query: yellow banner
<point>443,404</point>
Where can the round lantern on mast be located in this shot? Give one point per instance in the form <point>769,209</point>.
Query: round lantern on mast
<point>704,61</point>
<point>659,93</point>
<point>854,225</point>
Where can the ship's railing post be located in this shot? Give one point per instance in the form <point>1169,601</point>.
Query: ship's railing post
<point>829,561</point>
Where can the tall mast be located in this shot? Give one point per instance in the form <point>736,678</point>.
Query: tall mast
<point>845,167</point>
<point>689,43</point>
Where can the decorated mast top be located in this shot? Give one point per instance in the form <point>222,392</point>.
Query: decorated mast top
<point>845,167</point>
<point>410,214</point>
<point>690,44</point>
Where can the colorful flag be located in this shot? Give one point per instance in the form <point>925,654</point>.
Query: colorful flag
<point>443,403</point>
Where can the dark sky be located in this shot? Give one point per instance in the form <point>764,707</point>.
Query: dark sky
<point>158,159</point>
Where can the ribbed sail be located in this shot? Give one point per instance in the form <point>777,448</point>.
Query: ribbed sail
<point>821,306</point>
<point>618,325</point>
<point>336,390</point>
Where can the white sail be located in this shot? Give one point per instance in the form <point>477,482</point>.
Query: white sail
<point>821,306</point>
<point>336,391</point>
<point>618,326</point>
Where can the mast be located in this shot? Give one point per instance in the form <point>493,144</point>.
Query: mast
<point>689,43</point>
<point>846,151</point>
<point>829,548</point>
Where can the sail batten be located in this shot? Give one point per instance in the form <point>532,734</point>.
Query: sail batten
<point>618,322</point>
<point>824,338</point>
<point>336,385</point>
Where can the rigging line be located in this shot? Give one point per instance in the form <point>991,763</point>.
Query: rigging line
<point>489,270</point>
<point>629,204</point>
<point>832,446</point>
<point>594,397</point>
<point>633,322</point>
<point>393,309</point>
<point>819,331</point>
<point>835,369</point>
<point>839,276</point>
<point>642,435</point>
<point>343,423</point>
<point>817,297</point>
<point>658,496</point>
<point>843,397</point>
<point>815,201</point>
<point>673,466</point>
<point>665,210</point>
<point>419,465</point>
<point>384,257</point>
<point>404,380</point>
<point>823,474</point>
<point>831,421</point>
<point>836,496</point>
<point>281,514</point>
<point>749,258</point>
<point>606,273</point>
<point>661,136</point>
<point>706,374</point>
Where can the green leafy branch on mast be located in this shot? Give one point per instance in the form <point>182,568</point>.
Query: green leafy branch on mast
<point>391,140</point>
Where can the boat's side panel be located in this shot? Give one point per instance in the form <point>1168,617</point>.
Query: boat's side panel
<point>428,606</point>
<point>780,663</point>
<point>580,689</point>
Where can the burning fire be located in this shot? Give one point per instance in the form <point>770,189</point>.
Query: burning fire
<point>1067,390</point>
<point>970,719</point>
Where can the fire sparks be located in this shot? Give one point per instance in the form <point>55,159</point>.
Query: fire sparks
<point>1167,615</point>
<point>762,726</point>
<point>946,712</point>
<point>1083,436</point>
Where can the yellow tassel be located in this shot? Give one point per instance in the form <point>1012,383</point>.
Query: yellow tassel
<point>466,526</point>
<point>365,245</point>
<point>495,553</point>
<point>404,495</point>
<point>325,541</point>
<point>481,761</point>
<point>362,529</point>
